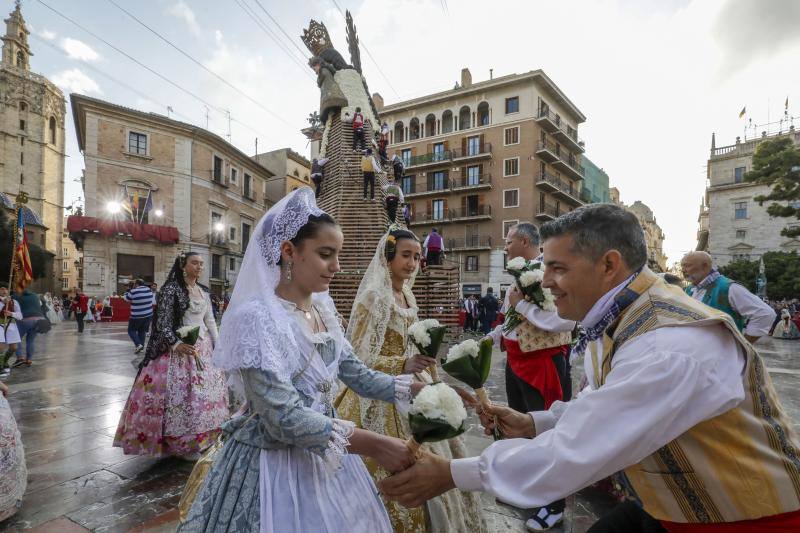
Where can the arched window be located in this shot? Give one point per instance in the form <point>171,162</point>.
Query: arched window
<point>413,129</point>
<point>483,114</point>
<point>52,130</point>
<point>23,106</point>
<point>398,132</point>
<point>447,121</point>
<point>20,59</point>
<point>430,125</point>
<point>464,118</point>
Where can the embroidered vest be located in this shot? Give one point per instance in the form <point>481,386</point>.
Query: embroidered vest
<point>716,296</point>
<point>741,465</point>
<point>531,338</point>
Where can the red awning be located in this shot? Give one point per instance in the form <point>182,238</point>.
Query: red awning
<point>112,228</point>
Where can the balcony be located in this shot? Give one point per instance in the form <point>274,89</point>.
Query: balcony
<point>481,151</point>
<point>215,239</point>
<point>546,151</point>
<point>546,212</point>
<point>418,219</point>
<point>429,189</point>
<point>480,212</point>
<point>430,159</point>
<point>560,188</point>
<point>570,167</point>
<point>548,121</point>
<point>587,197</point>
<point>472,183</point>
<point>473,242</point>
<point>551,123</point>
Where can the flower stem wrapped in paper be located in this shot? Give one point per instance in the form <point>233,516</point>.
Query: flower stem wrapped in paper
<point>189,335</point>
<point>528,276</point>
<point>470,362</point>
<point>427,336</point>
<point>437,413</point>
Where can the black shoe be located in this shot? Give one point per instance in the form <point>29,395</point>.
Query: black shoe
<point>18,363</point>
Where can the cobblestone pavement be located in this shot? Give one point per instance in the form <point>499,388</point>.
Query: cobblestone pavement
<point>68,403</point>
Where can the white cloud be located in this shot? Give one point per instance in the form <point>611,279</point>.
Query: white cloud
<point>75,81</point>
<point>76,49</point>
<point>182,11</point>
<point>47,35</point>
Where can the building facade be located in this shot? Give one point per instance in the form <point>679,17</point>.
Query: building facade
<point>654,236</point>
<point>483,156</point>
<point>291,170</point>
<point>155,187</point>
<point>32,114</point>
<point>70,265</point>
<point>733,225</point>
<point>595,184</point>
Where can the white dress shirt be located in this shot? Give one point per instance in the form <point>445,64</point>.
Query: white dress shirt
<point>544,320</point>
<point>661,384</point>
<point>759,315</point>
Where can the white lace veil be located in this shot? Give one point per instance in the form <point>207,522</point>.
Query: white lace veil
<point>366,331</point>
<point>255,332</point>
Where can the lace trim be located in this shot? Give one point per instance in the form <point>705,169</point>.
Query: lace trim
<point>402,392</point>
<point>341,432</point>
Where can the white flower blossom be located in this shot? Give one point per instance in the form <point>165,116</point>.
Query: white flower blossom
<point>549,303</point>
<point>440,402</point>
<point>419,331</point>
<point>467,348</point>
<point>184,331</point>
<point>518,263</point>
<point>529,277</point>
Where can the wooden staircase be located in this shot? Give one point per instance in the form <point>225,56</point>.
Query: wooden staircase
<point>364,223</point>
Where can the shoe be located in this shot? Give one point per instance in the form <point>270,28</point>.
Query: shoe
<point>138,349</point>
<point>545,518</point>
<point>5,373</point>
<point>18,363</point>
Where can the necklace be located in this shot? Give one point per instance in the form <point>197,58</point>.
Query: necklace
<point>307,314</point>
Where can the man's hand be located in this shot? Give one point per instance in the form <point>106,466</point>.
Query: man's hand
<point>511,423</point>
<point>429,477</point>
<point>418,363</point>
<point>514,295</point>
<point>469,401</point>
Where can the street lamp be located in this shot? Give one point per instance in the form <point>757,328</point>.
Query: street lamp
<point>113,207</point>
<point>159,213</point>
<point>219,227</point>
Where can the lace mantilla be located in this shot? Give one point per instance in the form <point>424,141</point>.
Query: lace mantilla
<point>341,432</point>
<point>402,392</point>
<point>285,222</point>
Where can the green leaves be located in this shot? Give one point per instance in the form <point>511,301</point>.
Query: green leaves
<point>473,371</point>
<point>425,430</point>
<point>437,336</point>
<point>776,164</point>
<point>191,336</point>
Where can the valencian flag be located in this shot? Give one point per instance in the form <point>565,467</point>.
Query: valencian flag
<point>23,271</point>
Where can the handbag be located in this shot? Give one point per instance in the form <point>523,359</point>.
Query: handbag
<point>43,325</point>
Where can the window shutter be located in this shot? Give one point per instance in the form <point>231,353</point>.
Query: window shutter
<point>480,141</point>
<point>430,208</point>
<point>446,145</point>
<point>464,146</point>
<point>445,212</point>
<point>464,204</point>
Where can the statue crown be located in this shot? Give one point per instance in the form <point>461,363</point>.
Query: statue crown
<point>316,37</point>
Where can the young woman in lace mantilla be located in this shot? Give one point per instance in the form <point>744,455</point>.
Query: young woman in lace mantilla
<point>175,406</point>
<point>290,464</point>
<point>383,310</point>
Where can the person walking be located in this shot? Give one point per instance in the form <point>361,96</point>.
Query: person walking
<point>752,316</point>
<point>369,167</point>
<point>487,310</point>
<point>407,214</point>
<point>318,174</point>
<point>397,167</point>
<point>31,307</point>
<point>434,247</point>
<point>358,129</point>
<point>141,300</point>
<point>80,306</point>
<point>471,308</point>
<point>9,334</point>
<point>394,197</point>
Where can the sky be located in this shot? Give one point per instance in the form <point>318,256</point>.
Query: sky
<point>654,78</point>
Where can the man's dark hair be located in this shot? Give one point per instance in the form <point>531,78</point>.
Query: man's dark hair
<point>434,230</point>
<point>529,231</point>
<point>489,289</point>
<point>598,228</point>
<point>139,282</point>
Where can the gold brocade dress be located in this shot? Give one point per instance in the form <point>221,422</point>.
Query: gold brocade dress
<point>452,512</point>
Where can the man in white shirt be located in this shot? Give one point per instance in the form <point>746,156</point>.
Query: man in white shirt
<point>752,315</point>
<point>677,398</point>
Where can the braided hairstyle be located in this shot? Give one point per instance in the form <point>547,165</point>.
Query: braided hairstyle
<point>176,273</point>
<point>395,235</point>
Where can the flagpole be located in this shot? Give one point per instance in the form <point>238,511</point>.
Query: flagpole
<point>20,200</point>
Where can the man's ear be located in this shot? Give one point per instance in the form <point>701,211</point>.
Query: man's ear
<point>612,263</point>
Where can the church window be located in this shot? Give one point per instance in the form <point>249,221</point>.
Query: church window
<point>21,158</point>
<point>52,130</point>
<point>740,210</point>
<point>22,124</point>
<point>137,143</point>
<point>23,106</point>
<point>21,178</point>
<point>20,59</point>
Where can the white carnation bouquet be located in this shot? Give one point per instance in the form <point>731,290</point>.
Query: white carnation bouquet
<point>470,362</point>
<point>437,413</point>
<point>528,276</point>
<point>427,336</point>
<point>189,335</point>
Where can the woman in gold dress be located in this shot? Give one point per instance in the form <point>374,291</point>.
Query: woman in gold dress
<point>383,310</point>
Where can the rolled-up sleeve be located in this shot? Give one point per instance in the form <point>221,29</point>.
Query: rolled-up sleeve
<point>758,314</point>
<point>544,320</point>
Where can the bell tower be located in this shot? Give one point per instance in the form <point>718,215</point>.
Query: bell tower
<point>16,51</point>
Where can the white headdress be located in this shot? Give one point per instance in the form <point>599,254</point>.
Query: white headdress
<point>255,332</point>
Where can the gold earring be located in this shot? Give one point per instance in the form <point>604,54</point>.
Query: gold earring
<point>289,271</point>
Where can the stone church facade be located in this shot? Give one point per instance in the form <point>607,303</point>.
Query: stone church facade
<point>32,148</point>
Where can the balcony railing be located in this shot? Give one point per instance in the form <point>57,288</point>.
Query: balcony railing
<point>587,197</point>
<point>433,158</point>
<point>215,239</point>
<point>552,123</point>
<point>480,211</point>
<point>484,181</point>
<point>470,243</point>
<point>562,159</point>
<point>430,218</point>
<point>547,151</point>
<point>558,186</point>
<point>546,211</point>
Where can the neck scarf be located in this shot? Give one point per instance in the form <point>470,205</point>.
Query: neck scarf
<point>622,300</point>
<point>709,280</point>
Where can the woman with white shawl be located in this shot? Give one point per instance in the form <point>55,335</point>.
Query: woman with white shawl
<point>289,465</point>
<point>383,310</point>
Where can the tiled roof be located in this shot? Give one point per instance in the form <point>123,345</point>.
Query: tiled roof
<point>28,215</point>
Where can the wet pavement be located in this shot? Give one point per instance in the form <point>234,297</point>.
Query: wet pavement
<point>68,403</point>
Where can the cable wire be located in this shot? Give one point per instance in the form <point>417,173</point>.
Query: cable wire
<point>290,39</point>
<point>198,63</point>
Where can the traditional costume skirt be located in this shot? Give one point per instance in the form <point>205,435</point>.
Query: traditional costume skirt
<point>537,369</point>
<point>13,474</point>
<point>174,409</point>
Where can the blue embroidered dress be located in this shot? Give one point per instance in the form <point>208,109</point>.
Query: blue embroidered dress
<point>284,467</point>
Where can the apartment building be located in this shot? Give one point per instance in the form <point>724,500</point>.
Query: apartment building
<point>483,156</point>
<point>154,187</point>
<point>732,223</point>
<point>291,170</point>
